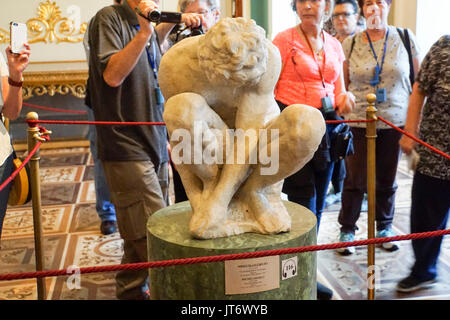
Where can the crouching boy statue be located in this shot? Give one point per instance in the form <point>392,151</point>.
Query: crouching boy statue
<point>229,142</point>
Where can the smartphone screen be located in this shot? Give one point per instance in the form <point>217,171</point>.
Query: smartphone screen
<point>18,36</point>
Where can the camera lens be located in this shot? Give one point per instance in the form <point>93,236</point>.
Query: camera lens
<point>154,16</point>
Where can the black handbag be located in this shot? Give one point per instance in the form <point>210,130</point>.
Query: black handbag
<point>341,142</point>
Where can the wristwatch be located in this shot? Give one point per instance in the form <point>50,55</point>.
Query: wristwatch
<point>15,83</point>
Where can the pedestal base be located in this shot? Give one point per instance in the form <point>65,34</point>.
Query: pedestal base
<point>169,238</point>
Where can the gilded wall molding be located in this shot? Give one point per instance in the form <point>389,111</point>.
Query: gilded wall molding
<point>49,26</point>
<point>54,81</point>
<point>76,89</point>
<point>4,36</point>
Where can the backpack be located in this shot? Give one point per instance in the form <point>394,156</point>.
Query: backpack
<point>404,35</point>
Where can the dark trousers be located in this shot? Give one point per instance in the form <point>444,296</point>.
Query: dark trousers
<point>180,193</point>
<point>337,179</point>
<point>355,184</point>
<point>308,186</point>
<point>430,206</point>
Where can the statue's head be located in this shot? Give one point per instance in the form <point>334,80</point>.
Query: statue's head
<point>234,52</point>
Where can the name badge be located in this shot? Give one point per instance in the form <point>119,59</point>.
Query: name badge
<point>381,95</point>
<point>327,105</point>
<point>376,77</point>
<point>158,95</point>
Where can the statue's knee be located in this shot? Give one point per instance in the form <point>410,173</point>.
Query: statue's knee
<point>303,121</point>
<point>182,110</point>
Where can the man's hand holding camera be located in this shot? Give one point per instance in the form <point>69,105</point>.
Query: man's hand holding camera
<point>144,8</point>
<point>192,20</point>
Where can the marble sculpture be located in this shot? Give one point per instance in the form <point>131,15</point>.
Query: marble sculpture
<point>230,143</point>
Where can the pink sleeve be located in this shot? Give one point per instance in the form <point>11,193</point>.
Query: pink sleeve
<point>281,43</point>
<point>337,48</point>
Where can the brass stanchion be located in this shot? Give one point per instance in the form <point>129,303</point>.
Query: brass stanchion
<point>371,135</point>
<point>33,136</point>
<point>6,123</point>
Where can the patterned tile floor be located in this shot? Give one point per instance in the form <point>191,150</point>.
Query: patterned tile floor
<point>72,237</point>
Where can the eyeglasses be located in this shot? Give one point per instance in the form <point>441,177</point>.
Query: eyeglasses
<point>304,1</point>
<point>372,2</point>
<point>342,14</point>
<point>206,12</point>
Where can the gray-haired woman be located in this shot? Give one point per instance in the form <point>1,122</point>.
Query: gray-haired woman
<point>377,61</point>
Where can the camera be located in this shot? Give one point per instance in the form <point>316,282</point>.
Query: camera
<point>174,17</point>
<point>164,16</point>
<point>181,32</point>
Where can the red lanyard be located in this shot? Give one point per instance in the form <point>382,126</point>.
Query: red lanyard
<point>314,55</point>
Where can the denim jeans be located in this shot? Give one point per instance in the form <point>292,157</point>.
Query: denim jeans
<point>5,172</point>
<point>104,207</point>
<point>316,202</point>
<point>430,206</point>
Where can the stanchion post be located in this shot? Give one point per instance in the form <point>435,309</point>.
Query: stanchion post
<point>371,135</point>
<point>33,136</point>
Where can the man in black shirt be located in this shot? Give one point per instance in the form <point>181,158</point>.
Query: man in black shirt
<point>123,85</point>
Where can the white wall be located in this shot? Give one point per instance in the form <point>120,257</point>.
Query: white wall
<point>282,17</point>
<point>404,13</point>
<point>432,22</point>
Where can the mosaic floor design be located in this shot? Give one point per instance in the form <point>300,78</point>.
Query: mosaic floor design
<point>72,238</point>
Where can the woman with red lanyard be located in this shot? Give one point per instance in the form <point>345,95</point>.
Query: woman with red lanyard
<point>312,75</point>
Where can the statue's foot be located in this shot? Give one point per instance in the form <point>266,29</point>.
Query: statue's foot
<point>219,221</point>
<point>207,220</point>
<point>271,215</point>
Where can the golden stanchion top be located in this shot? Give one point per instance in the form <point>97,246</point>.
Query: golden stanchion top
<point>371,98</point>
<point>32,116</point>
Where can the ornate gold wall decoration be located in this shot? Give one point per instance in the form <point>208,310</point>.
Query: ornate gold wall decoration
<point>77,90</point>
<point>50,27</point>
<point>4,36</point>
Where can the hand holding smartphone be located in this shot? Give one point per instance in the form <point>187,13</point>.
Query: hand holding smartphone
<point>18,37</point>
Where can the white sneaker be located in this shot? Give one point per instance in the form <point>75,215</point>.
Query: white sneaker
<point>346,237</point>
<point>388,246</point>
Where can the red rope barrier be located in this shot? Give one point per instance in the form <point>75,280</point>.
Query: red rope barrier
<point>84,112</point>
<point>236,256</point>
<point>350,121</point>
<point>27,159</point>
<point>15,173</point>
<point>123,123</point>
<point>52,109</point>
<point>149,123</point>
<point>415,139</point>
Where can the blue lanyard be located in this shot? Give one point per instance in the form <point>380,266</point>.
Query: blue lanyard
<point>151,57</point>
<point>379,69</point>
<point>152,60</point>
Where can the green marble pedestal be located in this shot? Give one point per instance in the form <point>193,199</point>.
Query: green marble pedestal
<point>169,238</point>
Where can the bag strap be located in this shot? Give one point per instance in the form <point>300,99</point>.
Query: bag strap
<point>352,46</point>
<point>407,43</point>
